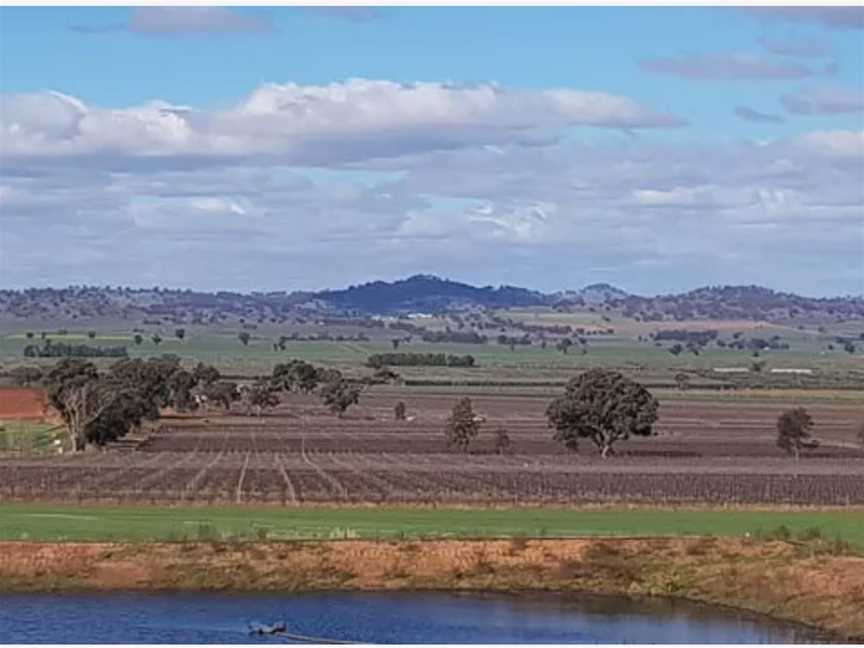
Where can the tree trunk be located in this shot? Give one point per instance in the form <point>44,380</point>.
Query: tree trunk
<point>79,442</point>
<point>607,448</point>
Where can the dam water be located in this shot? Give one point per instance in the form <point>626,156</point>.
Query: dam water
<point>372,617</point>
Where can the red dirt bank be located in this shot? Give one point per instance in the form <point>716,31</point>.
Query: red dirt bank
<point>806,583</point>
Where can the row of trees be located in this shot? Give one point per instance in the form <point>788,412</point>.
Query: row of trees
<point>62,350</point>
<point>297,376</point>
<point>378,360</point>
<point>101,406</point>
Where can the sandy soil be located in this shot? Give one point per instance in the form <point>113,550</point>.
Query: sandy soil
<point>807,583</point>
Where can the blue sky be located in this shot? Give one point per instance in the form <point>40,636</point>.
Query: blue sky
<point>196,134</point>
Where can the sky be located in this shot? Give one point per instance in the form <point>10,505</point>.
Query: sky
<point>296,148</point>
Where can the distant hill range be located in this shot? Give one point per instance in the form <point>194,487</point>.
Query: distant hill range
<point>416,294</point>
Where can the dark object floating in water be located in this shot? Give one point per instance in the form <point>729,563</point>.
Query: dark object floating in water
<point>276,628</point>
<point>281,629</point>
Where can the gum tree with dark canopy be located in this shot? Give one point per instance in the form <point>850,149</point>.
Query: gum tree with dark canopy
<point>793,431</point>
<point>83,399</point>
<point>463,425</point>
<point>296,376</point>
<point>339,395</point>
<point>603,406</point>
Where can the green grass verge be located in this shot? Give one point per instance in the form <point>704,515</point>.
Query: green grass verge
<point>40,522</point>
<point>28,436</point>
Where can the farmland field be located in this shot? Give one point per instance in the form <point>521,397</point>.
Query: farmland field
<point>706,451</point>
<point>627,347</point>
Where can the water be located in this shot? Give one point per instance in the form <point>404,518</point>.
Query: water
<point>403,617</point>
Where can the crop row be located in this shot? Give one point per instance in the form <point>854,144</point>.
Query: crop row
<point>316,481</point>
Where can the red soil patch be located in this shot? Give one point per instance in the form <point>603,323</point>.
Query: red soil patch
<point>23,404</point>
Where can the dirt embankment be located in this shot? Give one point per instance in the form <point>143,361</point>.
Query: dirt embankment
<point>806,583</point>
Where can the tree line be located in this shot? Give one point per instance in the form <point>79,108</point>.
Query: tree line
<point>378,360</point>
<point>63,350</point>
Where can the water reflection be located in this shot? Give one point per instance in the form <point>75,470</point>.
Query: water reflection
<point>399,617</point>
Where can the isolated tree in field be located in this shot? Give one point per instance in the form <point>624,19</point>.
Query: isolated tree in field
<point>91,334</point>
<point>180,333</point>
<point>156,339</point>
<point>138,339</point>
<point>758,366</point>
<point>502,441</point>
<point>463,426</point>
<point>339,395</point>
<point>259,396</point>
<point>682,380</point>
<point>793,431</point>
<point>244,337</point>
<point>395,343</point>
<point>29,335</point>
<point>676,349</point>
<point>564,345</point>
<point>849,348</point>
<point>602,406</point>
<point>399,411</point>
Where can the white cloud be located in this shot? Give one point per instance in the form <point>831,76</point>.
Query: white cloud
<point>693,212</point>
<point>677,197</point>
<point>837,144</point>
<point>355,120</point>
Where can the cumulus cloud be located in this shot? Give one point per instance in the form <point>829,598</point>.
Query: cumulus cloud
<point>355,120</point>
<point>184,21</point>
<point>824,100</point>
<point>394,179</point>
<point>727,67</point>
<point>749,114</point>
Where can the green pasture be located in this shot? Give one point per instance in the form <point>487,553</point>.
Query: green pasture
<point>220,345</point>
<point>28,436</point>
<point>37,522</point>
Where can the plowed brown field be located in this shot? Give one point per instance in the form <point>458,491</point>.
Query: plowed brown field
<point>704,452</point>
